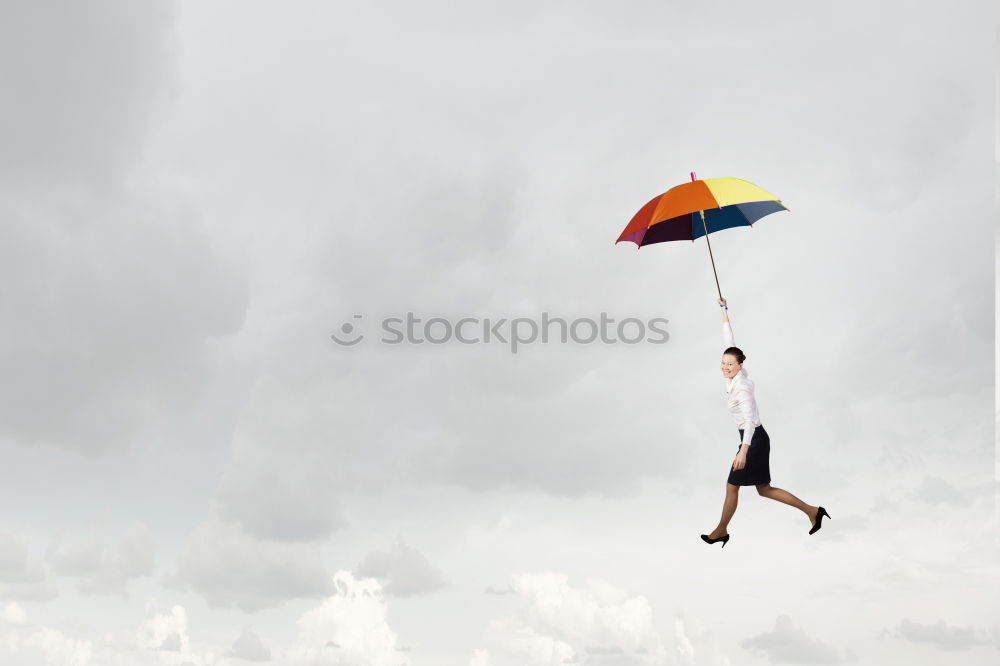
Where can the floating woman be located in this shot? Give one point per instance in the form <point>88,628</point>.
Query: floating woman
<point>751,467</point>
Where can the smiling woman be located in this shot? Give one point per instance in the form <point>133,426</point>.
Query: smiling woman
<point>751,466</point>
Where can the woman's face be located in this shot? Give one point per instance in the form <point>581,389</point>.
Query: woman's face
<point>730,366</point>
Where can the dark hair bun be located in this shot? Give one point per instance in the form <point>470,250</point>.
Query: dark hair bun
<point>737,353</point>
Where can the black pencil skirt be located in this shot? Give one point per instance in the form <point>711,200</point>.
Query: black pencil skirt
<point>758,469</point>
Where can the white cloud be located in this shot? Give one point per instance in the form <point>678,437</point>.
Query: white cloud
<point>787,643</point>
<point>685,649</point>
<point>102,568</point>
<point>160,639</point>
<point>480,657</point>
<point>695,645</point>
<point>403,571</point>
<point>348,629</point>
<point>165,637</point>
<point>44,646</point>
<point>13,613</point>
<point>164,631</point>
<point>228,567</point>
<point>535,649</point>
<point>559,622</point>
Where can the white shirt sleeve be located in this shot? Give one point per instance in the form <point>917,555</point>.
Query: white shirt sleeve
<point>745,401</point>
<point>727,335</point>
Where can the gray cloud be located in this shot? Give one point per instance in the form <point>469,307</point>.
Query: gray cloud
<point>535,259</point>
<point>403,571</point>
<point>22,578</point>
<point>514,228</point>
<point>14,562</point>
<point>111,324</point>
<point>296,445</point>
<point>248,646</point>
<point>288,500</point>
<point>83,85</point>
<point>102,568</point>
<point>569,448</point>
<point>229,567</point>
<point>935,490</point>
<point>946,636</point>
<point>172,643</point>
<point>113,292</point>
<point>787,643</point>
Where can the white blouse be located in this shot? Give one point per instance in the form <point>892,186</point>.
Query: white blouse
<point>742,404</point>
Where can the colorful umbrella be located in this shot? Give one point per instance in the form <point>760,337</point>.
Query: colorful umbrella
<point>698,208</point>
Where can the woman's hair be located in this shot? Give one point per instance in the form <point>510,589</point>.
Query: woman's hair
<point>735,351</point>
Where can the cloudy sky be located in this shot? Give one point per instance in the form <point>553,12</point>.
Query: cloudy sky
<point>195,196</point>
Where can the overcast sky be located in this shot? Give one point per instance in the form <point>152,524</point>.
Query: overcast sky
<point>195,196</point>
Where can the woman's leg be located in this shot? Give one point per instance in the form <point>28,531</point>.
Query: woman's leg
<point>728,509</point>
<point>767,490</point>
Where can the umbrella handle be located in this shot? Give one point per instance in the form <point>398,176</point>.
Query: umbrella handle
<point>718,289</point>
<point>714,272</point>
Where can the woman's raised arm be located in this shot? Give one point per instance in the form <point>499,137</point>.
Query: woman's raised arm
<point>727,328</point>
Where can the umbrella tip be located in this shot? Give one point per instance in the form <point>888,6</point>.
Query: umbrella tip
<point>694,176</point>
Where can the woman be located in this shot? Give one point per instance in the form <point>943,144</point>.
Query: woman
<point>750,468</point>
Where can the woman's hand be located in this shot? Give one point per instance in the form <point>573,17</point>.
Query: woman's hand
<point>741,458</point>
<point>722,302</point>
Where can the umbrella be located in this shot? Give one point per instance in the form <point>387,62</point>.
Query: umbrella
<point>691,210</point>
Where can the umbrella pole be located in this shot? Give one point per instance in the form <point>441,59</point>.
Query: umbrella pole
<point>705,227</point>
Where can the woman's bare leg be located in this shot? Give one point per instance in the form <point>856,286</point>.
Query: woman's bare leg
<point>728,509</point>
<point>767,490</point>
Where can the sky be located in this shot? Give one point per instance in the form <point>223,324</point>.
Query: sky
<point>197,198</point>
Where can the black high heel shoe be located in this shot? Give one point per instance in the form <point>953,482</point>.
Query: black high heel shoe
<point>724,539</point>
<point>819,520</point>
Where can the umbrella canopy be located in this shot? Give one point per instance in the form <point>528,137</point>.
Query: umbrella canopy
<point>698,208</point>
<point>677,213</point>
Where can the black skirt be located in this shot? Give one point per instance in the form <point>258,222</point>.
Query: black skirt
<point>758,469</point>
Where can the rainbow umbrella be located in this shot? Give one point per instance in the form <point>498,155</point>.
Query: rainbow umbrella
<point>691,210</point>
